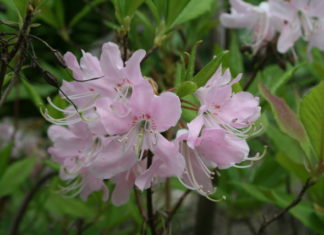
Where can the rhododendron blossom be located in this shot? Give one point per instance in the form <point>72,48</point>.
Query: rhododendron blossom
<point>216,138</point>
<point>300,18</point>
<point>214,148</point>
<point>107,77</point>
<point>292,20</point>
<point>221,108</point>
<point>116,121</point>
<point>257,19</point>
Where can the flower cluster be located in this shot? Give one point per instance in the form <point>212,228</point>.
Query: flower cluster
<point>216,138</point>
<point>115,124</point>
<point>291,19</point>
<point>26,141</point>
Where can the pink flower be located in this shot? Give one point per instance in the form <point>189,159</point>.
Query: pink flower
<point>214,148</point>
<point>139,131</point>
<point>299,19</point>
<point>150,115</point>
<point>75,149</point>
<point>107,77</point>
<point>257,19</point>
<point>221,108</point>
<point>118,122</point>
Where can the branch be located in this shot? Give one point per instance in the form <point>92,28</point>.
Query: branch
<point>309,183</point>
<point>188,102</point>
<point>188,107</point>
<point>22,33</point>
<point>21,45</point>
<point>28,198</point>
<point>255,72</point>
<point>139,204</point>
<point>177,206</point>
<point>150,211</point>
<point>125,47</point>
<point>150,52</point>
<point>16,75</point>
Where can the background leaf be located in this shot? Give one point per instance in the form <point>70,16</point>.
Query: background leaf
<point>15,175</point>
<point>312,116</point>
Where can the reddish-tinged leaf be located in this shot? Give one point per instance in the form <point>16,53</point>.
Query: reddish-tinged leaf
<point>286,118</point>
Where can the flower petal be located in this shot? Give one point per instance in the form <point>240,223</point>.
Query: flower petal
<point>112,160</point>
<point>221,148</point>
<point>165,110</point>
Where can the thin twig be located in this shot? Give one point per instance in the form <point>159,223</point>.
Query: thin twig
<point>309,182</point>
<point>188,102</point>
<point>139,204</point>
<point>125,47</point>
<point>255,72</point>
<point>28,198</point>
<point>149,52</point>
<point>57,53</point>
<point>21,37</point>
<point>177,206</point>
<point>149,199</point>
<point>188,107</point>
<point>16,76</point>
<point>3,66</point>
<point>167,193</point>
<point>21,45</point>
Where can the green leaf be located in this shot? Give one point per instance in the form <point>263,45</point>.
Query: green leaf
<point>155,11</point>
<point>5,154</point>
<point>21,6</point>
<point>294,167</point>
<point>285,144</point>
<point>174,9</point>
<point>33,94</point>
<point>235,56</point>
<point>131,6</point>
<point>192,60</point>
<point>284,78</point>
<point>186,88</point>
<point>206,72</point>
<point>285,117</point>
<point>85,11</point>
<point>15,175</point>
<point>58,204</point>
<point>54,165</point>
<point>303,211</point>
<point>193,9</point>
<point>312,115</point>
<point>253,190</point>
<point>47,14</point>
<point>269,166</point>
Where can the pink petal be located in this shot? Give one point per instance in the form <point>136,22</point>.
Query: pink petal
<point>112,160</point>
<point>195,176</point>
<point>72,63</point>
<point>91,184</point>
<point>133,69</point>
<point>165,111</point>
<point>113,124</point>
<point>90,65</point>
<point>288,37</point>
<point>195,127</point>
<point>242,110</point>
<point>124,184</point>
<point>221,148</point>
<point>111,62</point>
<point>142,99</point>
